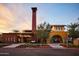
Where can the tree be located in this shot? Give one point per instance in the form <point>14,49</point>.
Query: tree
<point>24,31</point>
<point>43,32</point>
<point>73,30</point>
<point>16,31</point>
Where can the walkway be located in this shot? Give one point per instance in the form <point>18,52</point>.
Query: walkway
<point>38,52</point>
<point>56,45</point>
<point>14,45</point>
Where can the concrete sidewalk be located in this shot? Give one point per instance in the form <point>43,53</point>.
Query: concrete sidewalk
<point>14,45</point>
<point>56,45</point>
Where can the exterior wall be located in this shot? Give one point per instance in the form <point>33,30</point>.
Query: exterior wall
<point>76,42</point>
<point>15,37</point>
<point>63,34</point>
<point>60,33</point>
<point>58,30</point>
<point>57,27</point>
<point>0,38</point>
<point>9,37</point>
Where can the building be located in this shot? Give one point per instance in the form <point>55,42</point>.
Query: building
<point>17,37</point>
<point>21,37</point>
<point>58,34</point>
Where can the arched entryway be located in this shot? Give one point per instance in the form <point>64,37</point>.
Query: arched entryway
<point>56,39</point>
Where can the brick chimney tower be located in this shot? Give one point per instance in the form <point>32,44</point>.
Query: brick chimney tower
<point>34,9</point>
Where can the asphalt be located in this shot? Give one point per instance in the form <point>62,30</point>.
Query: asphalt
<point>39,52</point>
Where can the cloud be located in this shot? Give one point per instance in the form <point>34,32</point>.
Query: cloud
<point>16,16</point>
<point>6,18</point>
<point>22,16</point>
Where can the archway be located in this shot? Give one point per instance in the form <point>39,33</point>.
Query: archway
<point>56,39</point>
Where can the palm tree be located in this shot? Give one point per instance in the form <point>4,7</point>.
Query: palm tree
<point>73,30</point>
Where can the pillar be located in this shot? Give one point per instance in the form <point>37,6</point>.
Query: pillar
<point>34,9</point>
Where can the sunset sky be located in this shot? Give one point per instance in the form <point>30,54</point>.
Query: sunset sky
<point>18,16</point>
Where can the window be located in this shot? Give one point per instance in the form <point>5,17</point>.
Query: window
<point>58,28</point>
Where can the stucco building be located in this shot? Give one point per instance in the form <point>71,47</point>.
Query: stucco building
<point>57,33</point>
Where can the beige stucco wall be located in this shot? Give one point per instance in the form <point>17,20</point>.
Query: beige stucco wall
<point>63,34</point>
<point>76,42</point>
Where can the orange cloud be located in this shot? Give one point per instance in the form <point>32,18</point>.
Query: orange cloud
<point>6,18</point>
<point>15,16</point>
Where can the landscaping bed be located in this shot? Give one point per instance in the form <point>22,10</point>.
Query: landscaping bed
<point>4,44</point>
<point>64,45</point>
<point>33,46</point>
<point>70,45</point>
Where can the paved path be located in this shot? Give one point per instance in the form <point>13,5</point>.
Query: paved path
<point>14,45</point>
<point>56,45</point>
<point>38,52</point>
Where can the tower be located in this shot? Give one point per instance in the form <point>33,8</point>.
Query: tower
<point>34,9</point>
